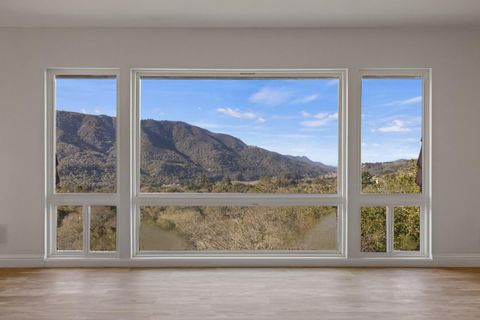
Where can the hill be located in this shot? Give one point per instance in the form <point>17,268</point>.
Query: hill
<point>172,152</point>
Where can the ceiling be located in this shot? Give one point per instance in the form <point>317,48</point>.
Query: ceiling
<point>238,13</point>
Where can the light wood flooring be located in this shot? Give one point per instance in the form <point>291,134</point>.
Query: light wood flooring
<point>328,293</point>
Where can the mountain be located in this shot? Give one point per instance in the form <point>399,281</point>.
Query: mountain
<point>86,152</point>
<point>171,152</point>
<point>384,168</point>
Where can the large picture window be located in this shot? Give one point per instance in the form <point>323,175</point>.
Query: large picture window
<point>270,142</point>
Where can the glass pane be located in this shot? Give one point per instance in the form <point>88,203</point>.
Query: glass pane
<point>238,228</point>
<point>407,229</point>
<point>239,135</point>
<point>103,228</point>
<point>69,228</point>
<point>391,135</point>
<point>85,134</point>
<point>373,226</point>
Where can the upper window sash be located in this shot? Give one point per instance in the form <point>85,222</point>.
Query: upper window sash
<point>393,73</point>
<point>139,74</point>
<point>51,76</point>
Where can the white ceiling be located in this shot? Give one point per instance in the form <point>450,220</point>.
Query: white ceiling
<point>238,13</point>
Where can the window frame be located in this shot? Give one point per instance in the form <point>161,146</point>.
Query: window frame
<point>140,199</point>
<point>128,199</point>
<point>358,199</point>
<point>87,199</point>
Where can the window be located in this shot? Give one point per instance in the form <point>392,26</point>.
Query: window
<point>85,134</point>
<point>239,162</point>
<point>82,161</point>
<point>394,162</point>
<point>239,135</point>
<point>392,134</point>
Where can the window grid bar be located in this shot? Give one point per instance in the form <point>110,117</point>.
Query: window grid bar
<point>389,229</point>
<point>86,229</point>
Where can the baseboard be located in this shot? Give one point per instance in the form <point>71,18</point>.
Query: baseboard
<point>457,260</point>
<point>21,261</point>
<point>38,261</point>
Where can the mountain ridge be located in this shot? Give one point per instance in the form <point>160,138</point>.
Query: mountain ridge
<point>171,152</point>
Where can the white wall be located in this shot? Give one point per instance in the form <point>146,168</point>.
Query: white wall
<point>453,54</point>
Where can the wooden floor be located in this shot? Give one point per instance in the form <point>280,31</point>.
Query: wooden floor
<point>240,294</point>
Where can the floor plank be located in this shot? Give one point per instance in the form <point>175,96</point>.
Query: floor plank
<point>327,293</point>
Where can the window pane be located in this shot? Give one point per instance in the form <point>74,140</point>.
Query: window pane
<point>238,228</point>
<point>69,228</point>
<point>85,134</point>
<point>103,228</point>
<point>407,228</point>
<point>239,135</point>
<point>374,232</point>
<point>391,135</point>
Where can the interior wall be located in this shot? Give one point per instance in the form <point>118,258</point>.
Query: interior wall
<point>453,55</point>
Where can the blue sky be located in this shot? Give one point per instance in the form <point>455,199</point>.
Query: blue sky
<point>391,119</point>
<point>93,95</point>
<point>296,117</point>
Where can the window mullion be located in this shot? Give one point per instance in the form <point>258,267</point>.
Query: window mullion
<point>86,229</point>
<point>390,229</point>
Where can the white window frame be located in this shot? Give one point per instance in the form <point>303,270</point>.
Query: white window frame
<point>128,199</point>
<point>358,199</point>
<point>85,200</point>
<point>231,199</point>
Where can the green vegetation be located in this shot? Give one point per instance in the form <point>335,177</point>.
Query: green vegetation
<point>400,179</point>
<point>282,184</point>
<point>373,227</point>
<point>406,229</point>
<point>382,178</point>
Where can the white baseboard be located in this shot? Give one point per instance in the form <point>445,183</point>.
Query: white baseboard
<point>38,261</point>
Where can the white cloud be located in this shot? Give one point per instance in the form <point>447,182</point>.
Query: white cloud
<point>307,99</point>
<point>286,117</point>
<point>305,114</point>
<point>332,82</point>
<point>321,119</point>
<point>405,102</point>
<point>236,113</point>
<point>83,110</point>
<point>395,126</point>
<point>97,111</point>
<point>270,96</point>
